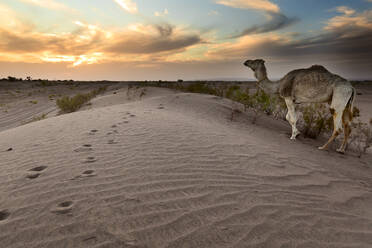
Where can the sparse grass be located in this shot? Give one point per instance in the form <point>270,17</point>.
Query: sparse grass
<point>36,118</point>
<point>33,102</point>
<point>45,83</point>
<point>71,104</point>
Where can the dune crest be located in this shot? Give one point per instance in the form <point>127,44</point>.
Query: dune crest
<point>173,171</point>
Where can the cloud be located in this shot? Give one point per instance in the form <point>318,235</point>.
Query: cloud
<point>345,10</point>
<point>49,4</point>
<point>160,14</point>
<point>276,21</point>
<point>88,44</point>
<point>251,4</point>
<point>347,37</point>
<point>128,5</point>
<point>152,39</point>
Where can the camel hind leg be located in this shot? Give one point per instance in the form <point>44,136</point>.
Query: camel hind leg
<point>292,117</point>
<point>340,110</point>
<point>347,117</point>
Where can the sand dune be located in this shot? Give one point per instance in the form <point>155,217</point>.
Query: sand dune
<point>173,171</point>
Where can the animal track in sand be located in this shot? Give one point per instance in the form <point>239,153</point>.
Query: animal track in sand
<point>87,173</point>
<point>33,176</point>
<point>87,145</point>
<point>114,126</point>
<point>93,132</point>
<point>90,160</point>
<point>83,149</point>
<point>63,207</point>
<point>39,168</point>
<point>112,142</point>
<point>4,214</point>
<point>132,115</point>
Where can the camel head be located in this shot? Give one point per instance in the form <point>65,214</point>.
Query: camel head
<point>254,64</point>
<point>258,66</point>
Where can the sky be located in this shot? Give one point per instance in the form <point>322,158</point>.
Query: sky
<point>191,40</point>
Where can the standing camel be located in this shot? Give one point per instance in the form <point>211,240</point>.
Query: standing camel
<point>312,85</point>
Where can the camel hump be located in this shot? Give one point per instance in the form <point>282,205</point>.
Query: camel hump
<point>288,81</point>
<point>318,68</point>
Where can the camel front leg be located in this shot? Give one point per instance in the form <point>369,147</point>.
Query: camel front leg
<point>292,117</point>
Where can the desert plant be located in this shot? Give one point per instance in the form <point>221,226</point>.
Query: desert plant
<point>35,118</point>
<point>316,119</point>
<point>201,88</point>
<point>361,137</point>
<point>72,104</point>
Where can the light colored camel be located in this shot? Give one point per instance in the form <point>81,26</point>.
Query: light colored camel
<point>311,85</point>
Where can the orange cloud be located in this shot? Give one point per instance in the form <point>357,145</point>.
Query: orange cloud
<point>251,4</point>
<point>50,4</point>
<point>350,19</point>
<point>89,44</point>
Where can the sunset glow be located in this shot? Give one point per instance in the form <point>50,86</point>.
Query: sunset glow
<point>170,39</point>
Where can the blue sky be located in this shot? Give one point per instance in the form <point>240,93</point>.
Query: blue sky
<point>142,39</point>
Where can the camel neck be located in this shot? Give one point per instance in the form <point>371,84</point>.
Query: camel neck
<point>268,86</point>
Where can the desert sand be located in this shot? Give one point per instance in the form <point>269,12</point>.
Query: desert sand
<point>172,170</point>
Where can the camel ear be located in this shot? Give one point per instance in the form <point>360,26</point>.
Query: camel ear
<point>263,61</point>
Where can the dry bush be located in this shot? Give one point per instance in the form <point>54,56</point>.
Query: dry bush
<point>71,104</point>
<point>361,137</point>
<point>316,119</point>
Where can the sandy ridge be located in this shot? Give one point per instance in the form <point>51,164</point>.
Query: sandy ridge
<point>173,171</point>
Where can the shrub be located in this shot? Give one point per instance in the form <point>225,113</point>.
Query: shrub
<point>71,104</point>
<point>317,119</point>
<point>35,118</point>
<point>361,137</point>
<point>201,88</point>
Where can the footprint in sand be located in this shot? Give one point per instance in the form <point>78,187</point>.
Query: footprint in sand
<point>87,173</point>
<point>63,208</point>
<point>93,132</point>
<point>161,107</point>
<point>4,214</point>
<point>114,126</point>
<point>10,149</point>
<point>112,142</point>
<point>84,148</point>
<point>33,176</point>
<point>90,160</point>
<point>39,168</point>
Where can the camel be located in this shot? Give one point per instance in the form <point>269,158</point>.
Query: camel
<point>312,85</point>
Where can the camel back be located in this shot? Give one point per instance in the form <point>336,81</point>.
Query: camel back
<point>313,76</point>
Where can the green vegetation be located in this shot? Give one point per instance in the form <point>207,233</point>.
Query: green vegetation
<point>317,119</point>
<point>71,104</point>
<point>33,102</point>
